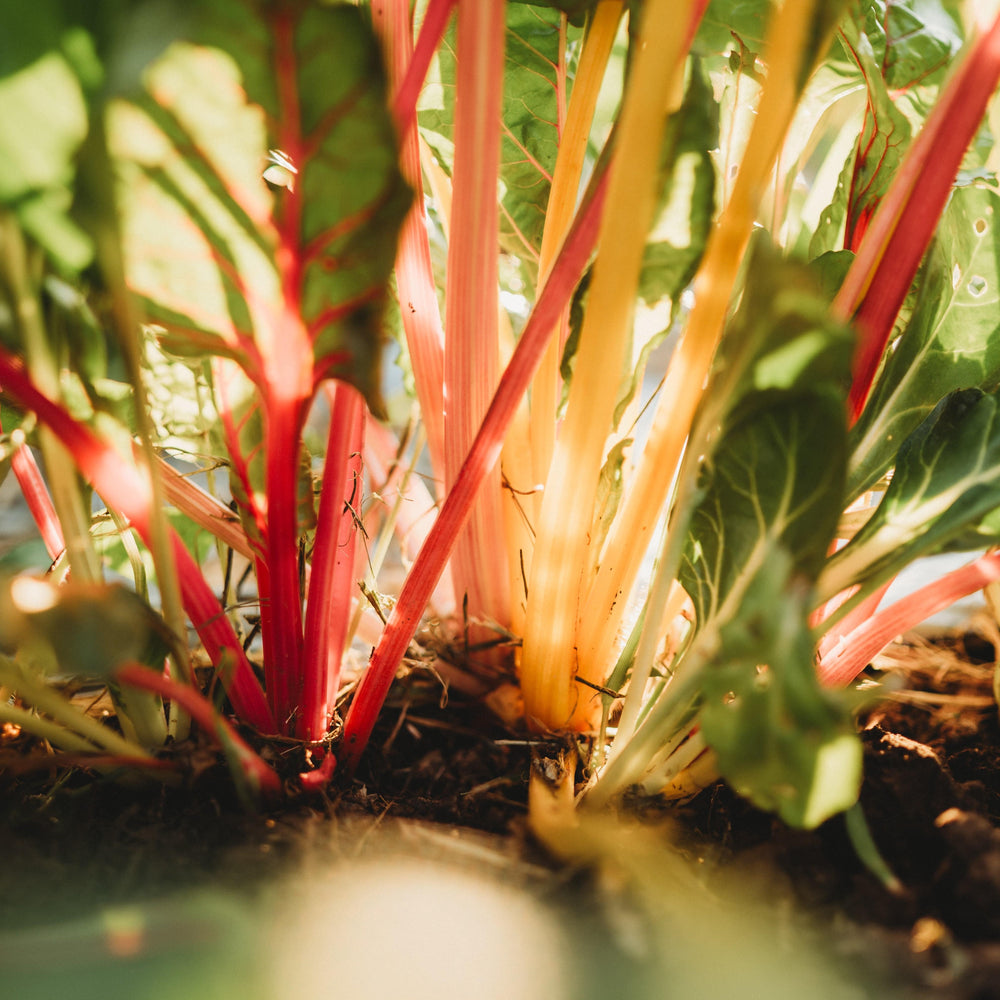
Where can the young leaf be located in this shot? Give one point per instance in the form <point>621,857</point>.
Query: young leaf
<point>774,481</point>
<point>884,136</point>
<point>898,51</point>
<point>950,342</point>
<point>780,739</point>
<point>947,479</point>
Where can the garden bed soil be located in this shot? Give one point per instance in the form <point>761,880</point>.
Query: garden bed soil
<point>73,841</point>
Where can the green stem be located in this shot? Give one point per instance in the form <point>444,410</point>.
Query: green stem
<point>38,694</point>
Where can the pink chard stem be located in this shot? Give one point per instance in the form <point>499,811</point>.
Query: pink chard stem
<point>203,712</point>
<point>414,274</point>
<point>287,385</point>
<point>472,349</point>
<point>436,17</point>
<point>122,485</point>
<point>328,609</point>
<point>482,458</point>
<point>36,496</point>
<point>840,665</point>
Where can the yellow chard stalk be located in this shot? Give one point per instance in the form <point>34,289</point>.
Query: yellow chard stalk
<point>632,530</point>
<point>563,532</point>
<point>529,445</point>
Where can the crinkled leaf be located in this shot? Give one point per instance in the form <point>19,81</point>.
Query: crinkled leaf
<point>947,478</point>
<point>530,118</point>
<point>774,482</point>
<point>919,39</point>
<point>951,342</point>
<point>181,405</point>
<point>225,263</point>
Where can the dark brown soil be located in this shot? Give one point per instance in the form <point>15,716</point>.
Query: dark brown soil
<point>73,841</point>
<point>931,798</point>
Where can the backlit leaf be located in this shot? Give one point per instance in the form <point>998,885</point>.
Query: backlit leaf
<point>946,480</point>
<point>951,342</point>
<point>227,264</point>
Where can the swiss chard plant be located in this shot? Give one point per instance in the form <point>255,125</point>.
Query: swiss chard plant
<point>697,303</point>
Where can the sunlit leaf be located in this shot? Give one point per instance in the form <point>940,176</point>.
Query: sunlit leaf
<point>36,180</point>
<point>946,479</point>
<point>899,50</point>
<point>770,499</point>
<point>227,264</point>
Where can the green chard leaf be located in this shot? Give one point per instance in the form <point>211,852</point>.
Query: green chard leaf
<point>292,93</point>
<point>86,630</point>
<point>530,122</point>
<point>39,84</point>
<point>769,503</point>
<point>951,342</point>
<point>885,134</point>
<point>946,480</point>
<point>915,41</point>
<point>781,740</point>
<point>756,542</point>
<point>899,51</point>
<point>726,20</point>
<point>687,201</point>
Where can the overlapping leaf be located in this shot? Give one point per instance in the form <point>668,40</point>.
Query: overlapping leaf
<point>946,480</point>
<point>899,51</point>
<point>951,342</point>
<point>770,500</point>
